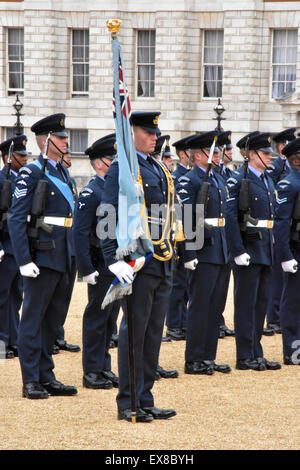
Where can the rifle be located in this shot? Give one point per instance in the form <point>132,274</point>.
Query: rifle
<point>222,159</point>
<point>283,169</point>
<point>295,228</point>
<point>37,210</point>
<point>203,194</point>
<point>6,193</point>
<point>244,199</point>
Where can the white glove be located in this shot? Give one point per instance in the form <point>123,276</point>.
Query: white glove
<point>242,260</point>
<point>2,253</point>
<point>122,271</point>
<point>29,270</point>
<point>191,264</point>
<point>91,278</point>
<point>290,266</point>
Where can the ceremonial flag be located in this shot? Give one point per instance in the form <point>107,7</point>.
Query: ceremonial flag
<point>133,244</point>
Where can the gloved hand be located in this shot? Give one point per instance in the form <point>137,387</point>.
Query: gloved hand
<point>2,253</point>
<point>91,278</point>
<point>191,264</point>
<point>29,270</point>
<point>290,266</point>
<point>242,260</point>
<point>122,271</point>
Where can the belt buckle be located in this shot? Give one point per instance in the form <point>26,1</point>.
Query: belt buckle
<point>270,223</point>
<point>68,222</point>
<point>221,222</point>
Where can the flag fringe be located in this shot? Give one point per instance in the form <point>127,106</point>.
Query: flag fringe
<point>132,247</point>
<point>117,292</point>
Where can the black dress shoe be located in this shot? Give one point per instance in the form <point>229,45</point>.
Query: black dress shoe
<point>64,346</point>
<point>167,374</point>
<point>199,367</point>
<point>288,361</point>
<point>166,339</point>
<point>109,375</point>
<point>251,364</point>
<point>227,331</point>
<point>14,349</point>
<point>34,391</point>
<point>274,326</point>
<point>57,388</point>
<point>268,332</point>
<point>270,365</point>
<point>96,381</point>
<point>159,413</point>
<point>224,368</point>
<point>221,333</point>
<point>55,349</point>
<point>9,354</point>
<point>176,333</point>
<point>141,415</point>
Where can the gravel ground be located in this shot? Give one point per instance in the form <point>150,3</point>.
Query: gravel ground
<point>241,410</point>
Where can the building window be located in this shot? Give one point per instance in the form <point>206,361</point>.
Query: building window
<point>146,63</point>
<point>284,62</point>
<point>15,55</point>
<point>11,131</point>
<point>213,63</point>
<point>78,141</point>
<point>80,62</point>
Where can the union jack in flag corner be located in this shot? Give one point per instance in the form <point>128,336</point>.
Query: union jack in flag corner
<point>133,243</point>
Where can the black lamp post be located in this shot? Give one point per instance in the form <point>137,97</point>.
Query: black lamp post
<point>18,125</point>
<point>219,110</point>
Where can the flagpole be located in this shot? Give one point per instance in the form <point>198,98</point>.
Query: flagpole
<point>113,26</point>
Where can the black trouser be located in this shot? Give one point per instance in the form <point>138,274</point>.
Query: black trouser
<point>251,292</point>
<point>203,313</point>
<point>147,305</point>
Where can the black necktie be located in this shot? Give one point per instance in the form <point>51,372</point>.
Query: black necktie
<point>61,172</point>
<point>262,177</point>
<point>151,161</point>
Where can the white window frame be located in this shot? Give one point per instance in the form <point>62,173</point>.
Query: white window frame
<point>13,91</point>
<point>81,152</point>
<point>75,93</point>
<point>204,64</point>
<point>139,97</point>
<point>278,64</point>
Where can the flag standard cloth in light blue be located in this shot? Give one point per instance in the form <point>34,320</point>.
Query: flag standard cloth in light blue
<point>131,235</point>
<point>132,240</point>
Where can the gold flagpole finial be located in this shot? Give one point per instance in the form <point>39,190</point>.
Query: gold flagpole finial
<point>113,25</point>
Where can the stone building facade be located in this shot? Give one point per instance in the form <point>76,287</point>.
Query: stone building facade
<point>247,65</point>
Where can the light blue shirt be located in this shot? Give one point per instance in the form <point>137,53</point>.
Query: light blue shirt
<point>142,155</point>
<point>211,175</point>
<point>258,174</point>
<point>53,162</point>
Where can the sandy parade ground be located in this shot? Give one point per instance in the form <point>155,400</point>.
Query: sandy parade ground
<point>243,410</point>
